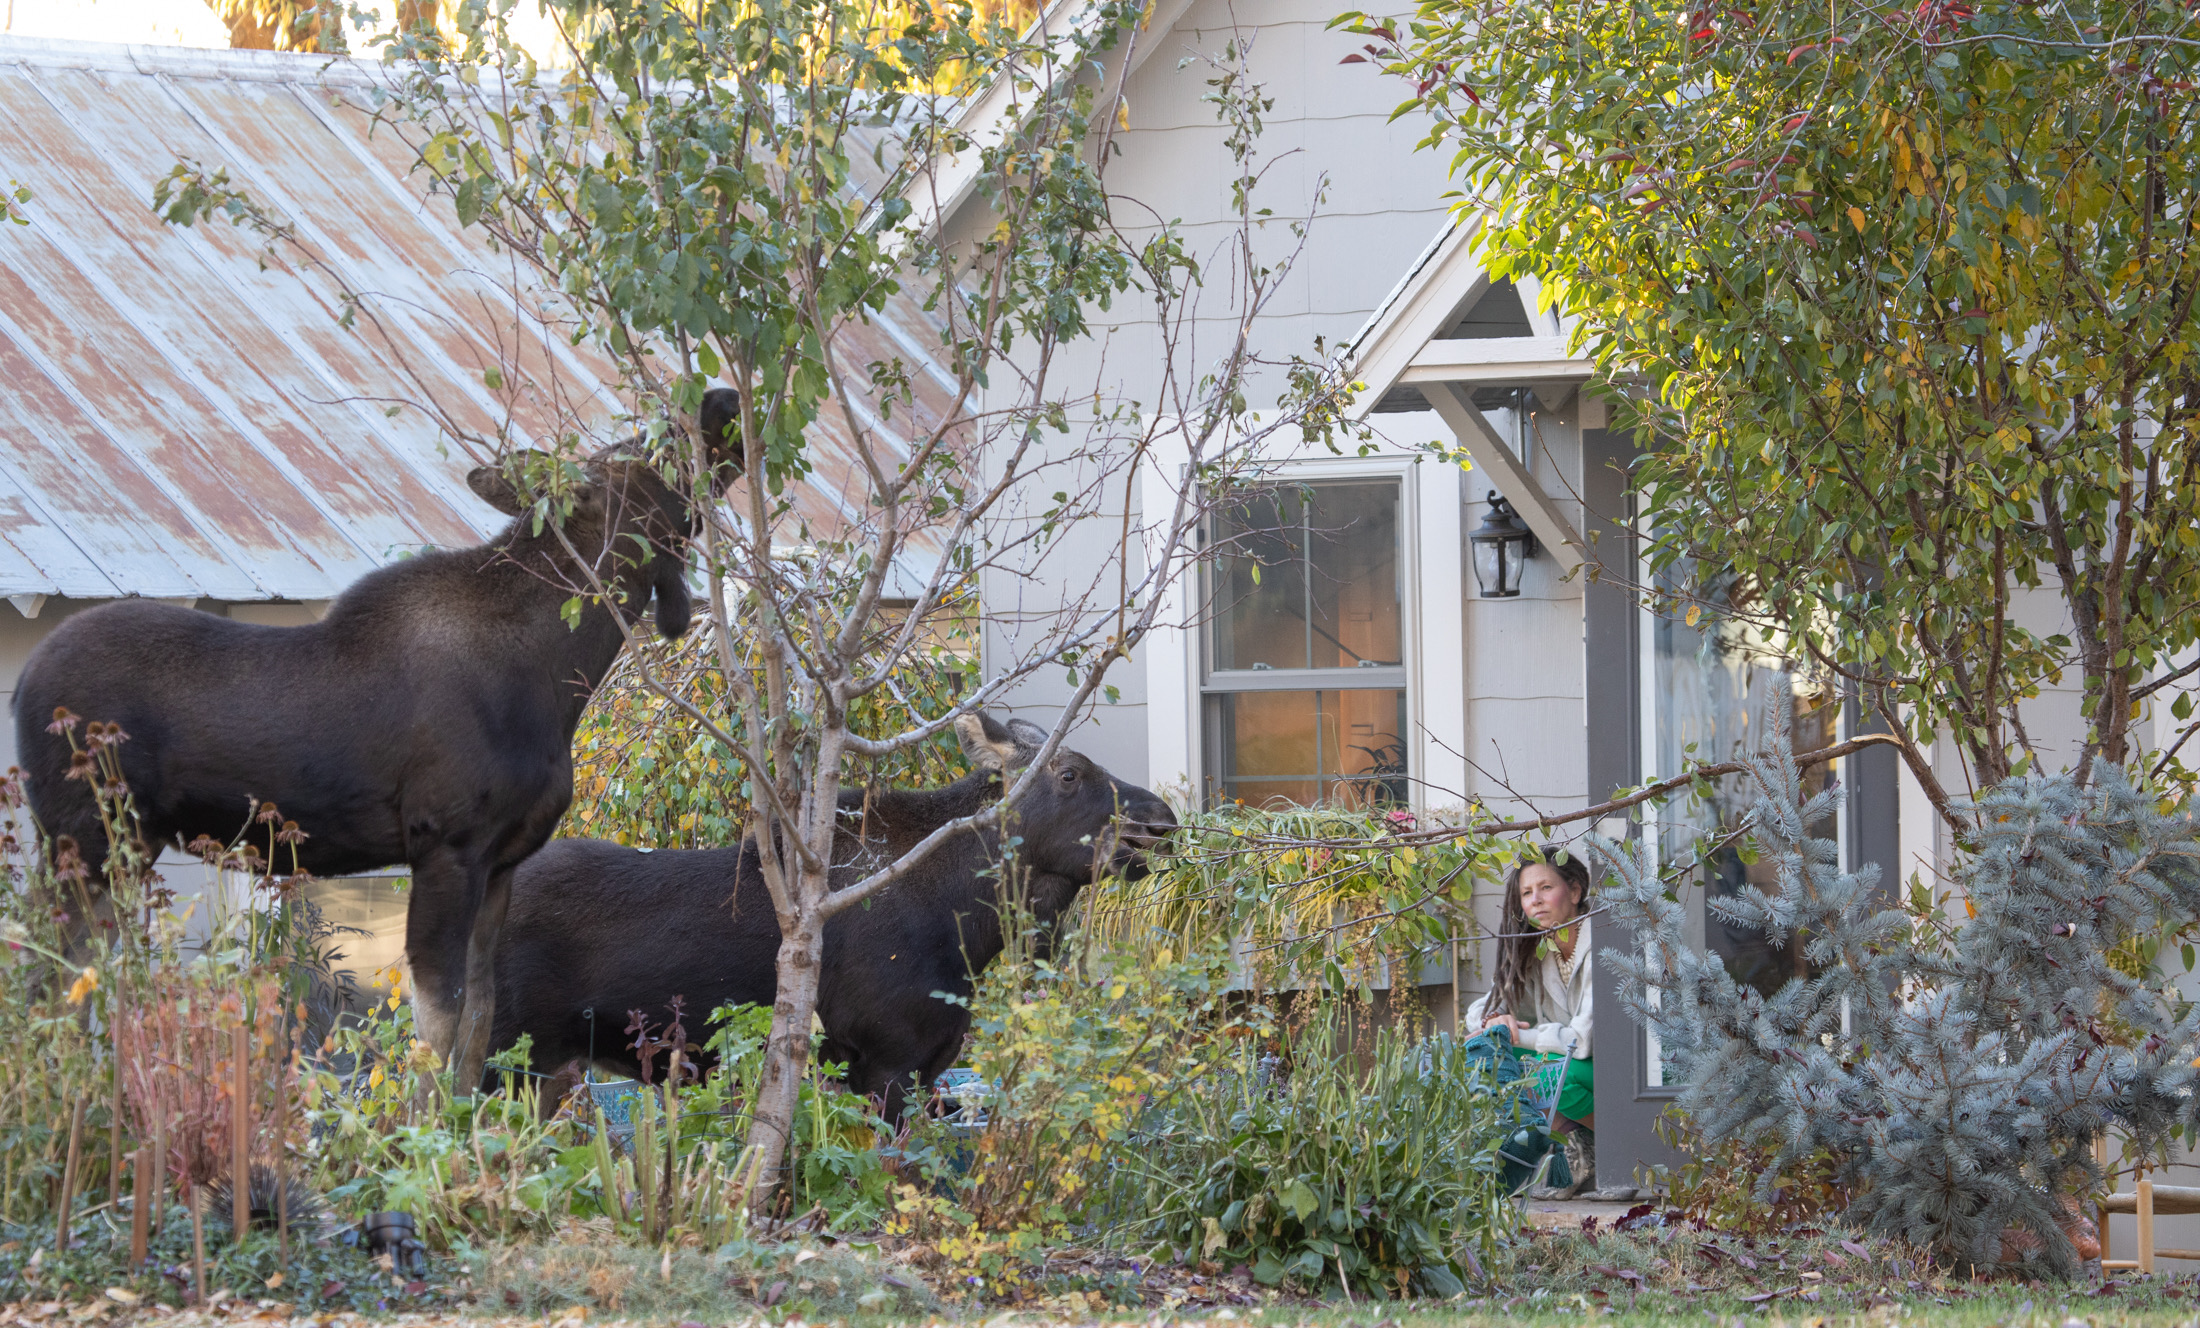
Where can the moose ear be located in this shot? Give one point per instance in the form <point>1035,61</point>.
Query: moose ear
<point>720,424</point>
<point>1027,735</point>
<point>986,743</point>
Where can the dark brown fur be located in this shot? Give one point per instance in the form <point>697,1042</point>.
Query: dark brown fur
<point>426,720</point>
<point>597,926</point>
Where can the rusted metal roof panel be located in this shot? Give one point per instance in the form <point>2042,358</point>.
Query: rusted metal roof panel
<point>183,415</point>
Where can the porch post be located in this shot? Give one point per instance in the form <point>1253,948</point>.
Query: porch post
<point>1627,1107</point>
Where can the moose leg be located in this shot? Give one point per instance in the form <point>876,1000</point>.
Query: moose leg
<point>477,1016</point>
<point>447,889</point>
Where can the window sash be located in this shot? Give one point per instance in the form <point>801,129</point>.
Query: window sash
<point>1383,678</point>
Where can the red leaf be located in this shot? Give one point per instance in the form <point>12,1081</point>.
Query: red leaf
<point>1797,123</point>
<point>1799,52</point>
<point>1856,1249</point>
<point>1353,59</point>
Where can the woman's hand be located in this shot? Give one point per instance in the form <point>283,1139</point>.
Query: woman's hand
<point>1510,1024</point>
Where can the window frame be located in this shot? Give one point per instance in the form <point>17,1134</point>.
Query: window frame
<point>1403,677</point>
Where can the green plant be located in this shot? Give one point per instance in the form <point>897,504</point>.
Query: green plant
<point>1318,896</point>
<point>1368,1162</point>
<point>1078,1042</point>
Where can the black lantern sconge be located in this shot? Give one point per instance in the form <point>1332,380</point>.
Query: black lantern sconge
<point>1502,547</point>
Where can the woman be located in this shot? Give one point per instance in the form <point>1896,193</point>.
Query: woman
<point>1543,999</point>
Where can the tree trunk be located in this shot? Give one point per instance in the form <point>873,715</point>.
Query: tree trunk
<point>786,1058</point>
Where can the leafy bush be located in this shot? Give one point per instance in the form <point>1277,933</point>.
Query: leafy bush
<point>1319,1165</point>
<point>482,1169</point>
<point>1076,1047</point>
<point>1327,894</point>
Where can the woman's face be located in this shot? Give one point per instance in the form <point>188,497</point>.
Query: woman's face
<point>1546,896</point>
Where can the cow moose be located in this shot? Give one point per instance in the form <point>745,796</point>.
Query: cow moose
<point>427,719</point>
<point>598,929</point>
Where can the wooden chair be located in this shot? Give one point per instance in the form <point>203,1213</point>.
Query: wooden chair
<point>2144,1201</point>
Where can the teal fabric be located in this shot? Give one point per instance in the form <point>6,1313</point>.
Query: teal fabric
<point>1577,1097</point>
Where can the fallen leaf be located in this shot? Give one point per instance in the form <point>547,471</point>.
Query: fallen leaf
<point>122,1295</point>
<point>331,1288</point>
<point>1856,1249</point>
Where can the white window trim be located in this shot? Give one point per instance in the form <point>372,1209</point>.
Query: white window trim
<point>1430,521</point>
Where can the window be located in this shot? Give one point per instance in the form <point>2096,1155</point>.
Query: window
<point>1712,681</point>
<point>1305,679</point>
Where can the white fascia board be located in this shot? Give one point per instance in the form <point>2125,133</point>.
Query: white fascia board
<point>1414,312</point>
<point>935,195</point>
<point>1499,360</point>
<point>1504,470</point>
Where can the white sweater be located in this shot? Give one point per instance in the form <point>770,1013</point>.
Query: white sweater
<point>1558,1017</point>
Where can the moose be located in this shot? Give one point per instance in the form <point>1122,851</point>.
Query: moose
<point>598,929</point>
<point>427,719</point>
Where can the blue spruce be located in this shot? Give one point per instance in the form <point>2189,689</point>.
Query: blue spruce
<point>1978,1063</point>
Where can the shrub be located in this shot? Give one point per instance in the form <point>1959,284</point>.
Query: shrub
<point>478,1170</point>
<point>1376,1172</point>
<point>1077,1046</point>
<point>1959,1074</point>
<point>1326,894</point>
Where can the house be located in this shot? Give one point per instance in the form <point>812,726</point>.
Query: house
<point>177,422</point>
<point>1400,665</point>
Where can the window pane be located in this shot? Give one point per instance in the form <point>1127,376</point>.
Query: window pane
<point>1352,552</point>
<point>1261,583</point>
<point>1336,747</point>
<point>1308,578</point>
<point>1713,681</point>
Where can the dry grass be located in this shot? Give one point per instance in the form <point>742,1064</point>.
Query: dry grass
<point>588,1267</point>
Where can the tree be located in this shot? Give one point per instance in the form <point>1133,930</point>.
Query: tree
<point>1908,291</point>
<point>721,190</point>
<point>283,25</point>
<point>1958,1075</point>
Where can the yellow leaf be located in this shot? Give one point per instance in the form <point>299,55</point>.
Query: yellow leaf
<point>1695,611</point>
<point>1856,219</point>
<point>86,983</point>
<point>1970,908</point>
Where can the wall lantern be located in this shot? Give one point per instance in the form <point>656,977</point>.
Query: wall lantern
<point>1502,546</point>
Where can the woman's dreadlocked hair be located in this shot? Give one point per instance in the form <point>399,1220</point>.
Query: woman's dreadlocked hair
<point>1516,961</point>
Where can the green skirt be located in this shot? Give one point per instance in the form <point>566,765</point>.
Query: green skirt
<point>1577,1098</point>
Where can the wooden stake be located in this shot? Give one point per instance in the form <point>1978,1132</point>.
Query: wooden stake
<point>198,1241</point>
<point>240,1115</point>
<point>114,1128</point>
<point>158,1210</point>
<point>68,1177</point>
<point>282,1169</point>
<point>140,1215</point>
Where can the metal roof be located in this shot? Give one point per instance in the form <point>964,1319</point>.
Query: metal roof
<point>183,417</point>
